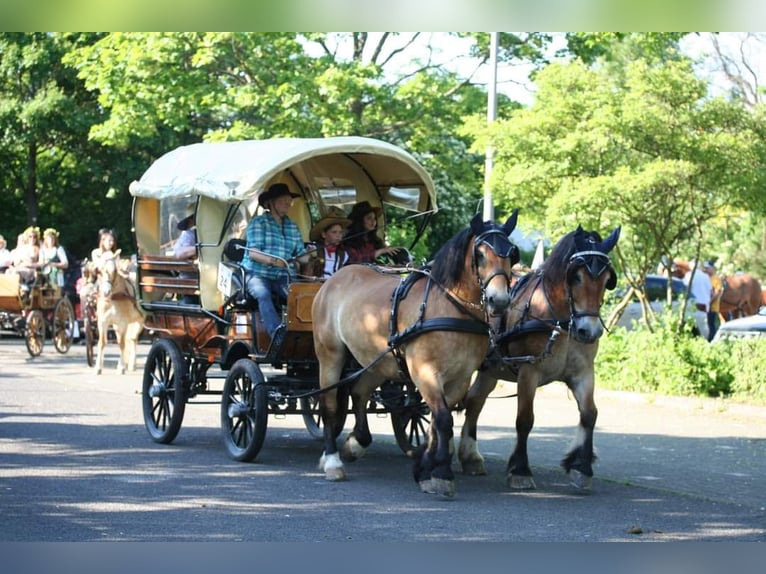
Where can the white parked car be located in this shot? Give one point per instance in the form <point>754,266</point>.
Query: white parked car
<point>750,327</point>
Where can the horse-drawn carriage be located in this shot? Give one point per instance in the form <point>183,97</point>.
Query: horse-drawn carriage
<point>35,312</point>
<point>217,344</point>
<point>399,341</point>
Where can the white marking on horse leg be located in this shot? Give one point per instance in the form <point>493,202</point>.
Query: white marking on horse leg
<point>352,450</point>
<point>470,457</point>
<point>332,467</point>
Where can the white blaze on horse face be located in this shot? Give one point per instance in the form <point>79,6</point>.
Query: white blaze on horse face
<point>494,274</point>
<point>587,296</point>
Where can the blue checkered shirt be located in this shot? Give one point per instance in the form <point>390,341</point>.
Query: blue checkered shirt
<point>265,234</point>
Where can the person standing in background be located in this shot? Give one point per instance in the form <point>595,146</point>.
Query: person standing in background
<point>713,318</point>
<point>53,259</point>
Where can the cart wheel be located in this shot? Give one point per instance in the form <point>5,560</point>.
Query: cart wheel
<point>244,411</point>
<point>35,332</point>
<point>410,419</point>
<point>164,396</point>
<point>312,419</point>
<point>63,325</point>
<point>90,330</point>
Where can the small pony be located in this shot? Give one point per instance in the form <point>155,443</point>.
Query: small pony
<point>429,326</point>
<point>117,308</point>
<point>562,297</point>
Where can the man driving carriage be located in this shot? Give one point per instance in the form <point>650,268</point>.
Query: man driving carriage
<point>272,240</point>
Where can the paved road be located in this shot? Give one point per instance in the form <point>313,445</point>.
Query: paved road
<point>76,464</point>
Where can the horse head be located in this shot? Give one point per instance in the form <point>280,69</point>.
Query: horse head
<point>107,272</point>
<point>589,273</point>
<point>492,257</point>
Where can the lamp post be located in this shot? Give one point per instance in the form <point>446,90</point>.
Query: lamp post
<point>489,207</point>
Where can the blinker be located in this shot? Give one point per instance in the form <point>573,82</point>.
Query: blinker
<point>500,245</point>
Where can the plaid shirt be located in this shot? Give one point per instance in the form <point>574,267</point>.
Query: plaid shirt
<point>265,234</point>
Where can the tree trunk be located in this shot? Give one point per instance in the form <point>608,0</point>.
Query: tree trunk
<point>30,195</point>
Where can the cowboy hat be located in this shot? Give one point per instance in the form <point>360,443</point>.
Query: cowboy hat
<point>275,190</point>
<point>335,216</point>
<point>363,208</point>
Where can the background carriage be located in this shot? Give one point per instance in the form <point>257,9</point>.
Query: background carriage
<point>43,311</point>
<point>217,345</point>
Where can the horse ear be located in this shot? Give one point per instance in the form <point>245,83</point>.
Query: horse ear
<point>510,223</point>
<point>608,244</point>
<point>477,224</point>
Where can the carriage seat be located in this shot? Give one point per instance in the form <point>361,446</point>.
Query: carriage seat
<point>233,253</point>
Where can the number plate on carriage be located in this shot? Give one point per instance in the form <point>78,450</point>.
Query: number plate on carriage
<point>225,284</point>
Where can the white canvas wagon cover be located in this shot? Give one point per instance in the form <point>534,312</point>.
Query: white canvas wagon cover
<point>238,171</point>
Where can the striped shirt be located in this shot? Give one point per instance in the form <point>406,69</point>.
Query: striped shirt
<point>265,234</point>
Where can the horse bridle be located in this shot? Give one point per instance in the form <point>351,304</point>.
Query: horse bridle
<point>596,263</point>
<point>499,243</point>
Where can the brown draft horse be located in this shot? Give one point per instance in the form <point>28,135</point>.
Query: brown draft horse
<point>549,333</point>
<point>742,293</point>
<point>116,308</point>
<point>429,327</point>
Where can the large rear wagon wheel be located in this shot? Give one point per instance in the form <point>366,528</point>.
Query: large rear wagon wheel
<point>410,419</point>
<point>63,325</point>
<point>163,394</point>
<point>244,411</point>
<point>34,334</point>
<point>313,420</point>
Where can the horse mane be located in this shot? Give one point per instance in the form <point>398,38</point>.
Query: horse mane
<point>555,266</point>
<point>447,265</point>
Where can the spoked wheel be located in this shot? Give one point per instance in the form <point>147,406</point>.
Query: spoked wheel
<point>313,420</point>
<point>35,332</point>
<point>164,395</point>
<point>244,410</point>
<point>90,330</point>
<point>63,325</point>
<point>410,418</point>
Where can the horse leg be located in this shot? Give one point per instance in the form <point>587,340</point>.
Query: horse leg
<point>101,350</point>
<point>120,336</point>
<point>132,335</point>
<point>518,473</point>
<point>578,462</point>
<point>432,469</point>
<point>470,458</point>
<point>329,405</point>
<point>360,438</point>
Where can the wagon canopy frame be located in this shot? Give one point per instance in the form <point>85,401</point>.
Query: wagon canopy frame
<point>225,179</point>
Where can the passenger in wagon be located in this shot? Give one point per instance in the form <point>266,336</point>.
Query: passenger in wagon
<point>326,235</point>
<point>272,239</point>
<point>107,242</point>
<point>362,240</point>
<point>5,255</point>
<point>53,259</point>
<point>25,257</point>
<point>185,246</point>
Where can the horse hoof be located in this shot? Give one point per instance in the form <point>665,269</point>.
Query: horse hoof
<point>332,467</point>
<point>352,450</point>
<point>439,486</point>
<point>474,468</point>
<point>519,482</point>
<point>579,480</point>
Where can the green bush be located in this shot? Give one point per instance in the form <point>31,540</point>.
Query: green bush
<point>670,363</point>
<point>748,358</point>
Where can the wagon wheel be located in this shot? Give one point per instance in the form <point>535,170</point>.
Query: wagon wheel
<point>63,325</point>
<point>90,329</point>
<point>410,418</point>
<point>244,410</point>
<point>312,418</point>
<point>35,332</point>
<point>163,394</point>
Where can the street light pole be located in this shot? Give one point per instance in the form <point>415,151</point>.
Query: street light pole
<point>489,207</point>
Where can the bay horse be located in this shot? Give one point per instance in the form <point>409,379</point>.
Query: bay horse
<point>550,332</point>
<point>429,327</point>
<point>116,307</point>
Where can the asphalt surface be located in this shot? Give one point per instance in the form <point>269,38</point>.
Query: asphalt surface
<point>76,464</point>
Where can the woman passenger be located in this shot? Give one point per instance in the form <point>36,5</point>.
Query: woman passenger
<point>362,241</point>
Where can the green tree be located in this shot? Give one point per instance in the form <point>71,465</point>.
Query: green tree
<point>645,149</point>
